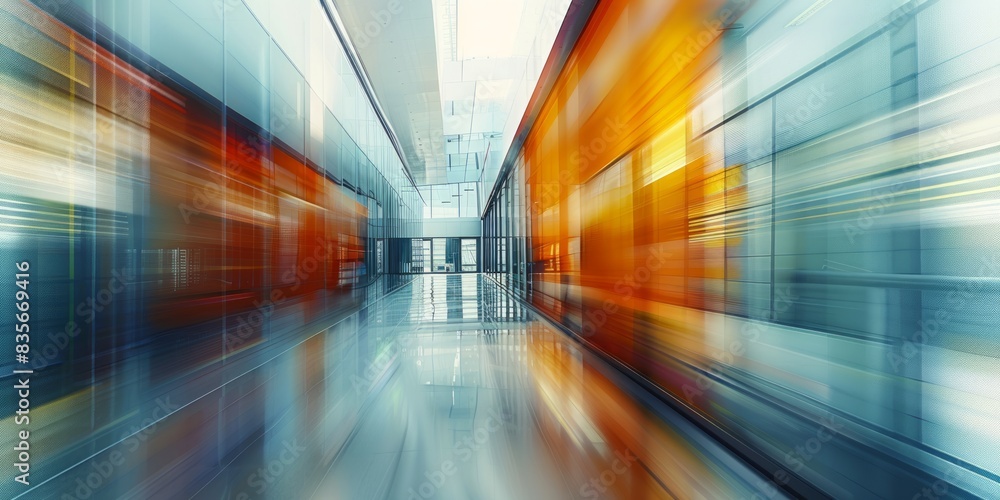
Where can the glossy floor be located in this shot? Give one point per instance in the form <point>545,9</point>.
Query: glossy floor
<point>445,388</point>
<point>486,402</point>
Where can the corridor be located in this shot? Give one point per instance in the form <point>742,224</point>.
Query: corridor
<point>500,249</point>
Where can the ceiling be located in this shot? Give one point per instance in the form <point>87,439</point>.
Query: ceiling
<point>452,75</point>
<point>395,41</point>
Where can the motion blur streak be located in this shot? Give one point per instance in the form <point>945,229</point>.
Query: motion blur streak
<point>177,246</point>
<point>783,214</point>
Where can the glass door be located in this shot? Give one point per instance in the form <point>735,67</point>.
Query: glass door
<point>421,256</point>
<point>439,254</point>
<point>470,256</point>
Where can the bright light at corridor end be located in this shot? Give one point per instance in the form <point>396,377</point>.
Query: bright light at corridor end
<point>704,249</point>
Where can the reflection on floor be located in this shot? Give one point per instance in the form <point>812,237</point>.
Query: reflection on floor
<point>446,388</point>
<point>487,402</point>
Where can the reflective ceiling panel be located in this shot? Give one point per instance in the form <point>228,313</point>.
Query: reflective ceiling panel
<point>454,76</point>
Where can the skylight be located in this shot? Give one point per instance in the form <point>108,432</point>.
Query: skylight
<point>488,28</point>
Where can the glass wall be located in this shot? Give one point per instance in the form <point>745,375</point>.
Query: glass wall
<point>445,255</point>
<point>211,176</point>
<point>780,211</point>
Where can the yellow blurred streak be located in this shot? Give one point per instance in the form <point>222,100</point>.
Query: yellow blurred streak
<point>57,424</point>
<point>586,403</point>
